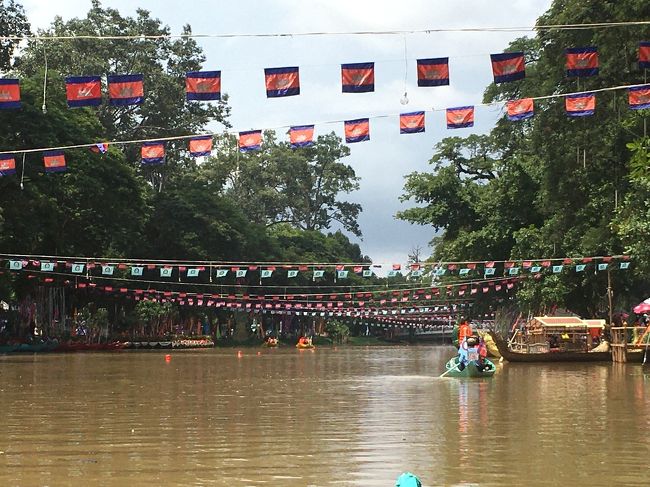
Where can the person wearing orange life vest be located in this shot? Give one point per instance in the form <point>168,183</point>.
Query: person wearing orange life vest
<point>464,331</point>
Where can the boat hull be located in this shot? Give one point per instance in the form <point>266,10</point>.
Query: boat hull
<point>511,356</point>
<point>470,370</point>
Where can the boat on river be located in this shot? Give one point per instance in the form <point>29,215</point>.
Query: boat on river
<point>271,342</point>
<point>304,343</point>
<point>471,360</point>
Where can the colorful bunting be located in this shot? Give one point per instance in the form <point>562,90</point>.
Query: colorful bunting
<point>250,140</point>
<point>644,55</point>
<point>411,123</point>
<point>7,164</point>
<point>83,91</point>
<point>9,93</point>
<point>222,272</point>
<point>266,273</point>
<point>318,274</point>
<point>47,266</point>
<point>508,66</point>
<point>239,273</point>
<point>100,148</point>
<point>460,117</point>
<point>580,267</point>
<point>520,109</point>
<point>639,97</point>
<point>107,270</point>
<point>367,273</point>
<point>54,161</point>
<point>580,105</point>
<point>557,269</point>
<point>166,271</point>
<point>342,274</point>
<point>624,265</point>
<point>137,271</point>
<point>125,89</point>
<point>357,130</point>
<point>433,72</point>
<point>292,273</point>
<point>200,146</point>
<point>153,152</point>
<point>581,62</point>
<point>282,82</point>
<point>203,85</point>
<point>301,136</point>
<point>358,77</point>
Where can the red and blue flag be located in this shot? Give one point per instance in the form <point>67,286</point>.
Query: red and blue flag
<point>357,130</point>
<point>54,161</point>
<point>250,140</point>
<point>460,117</point>
<point>153,152</point>
<point>301,136</point>
<point>582,62</point>
<point>83,91</point>
<point>520,109</point>
<point>203,85</point>
<point>358,77</point>
<point>201,146</point>
<point>580,105</point>
<point>9,93</point>
<point>282,82</point>
<point>508,66</point>
<point>639,97</point>
<point>644,55</point>
<point>100,148</point>
<point>433,72</point>
<point>411,123</point>
<point>125,89</point>
<point>7,164</point>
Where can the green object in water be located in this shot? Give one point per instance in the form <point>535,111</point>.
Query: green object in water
<point>408,480</point>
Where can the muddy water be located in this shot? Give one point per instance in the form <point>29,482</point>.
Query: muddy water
<point>346,417</point>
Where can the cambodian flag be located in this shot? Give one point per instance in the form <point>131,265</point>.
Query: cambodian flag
<point>357,130</point>
<point>411,123</point>
<point>83,91</point>
<point>582,61</point>
<point>301,136</point>
<point>639,97</point>
<point>201,146</point>
<point>358,77</point>
<point>7,164</point>
<point>460,117</point>
<point>100,148</point>
<point>54,161</point>
<point>203,85</point>
<point>508,66</point>
<point>520,109</point>
<point>580,105</point>
<point>282,82</point>
<point>9,93</point>
<point>250,140</point>
<point>125,89</point>
<point>433,72</point>
<point>153,152</point>
<point>644,55</point>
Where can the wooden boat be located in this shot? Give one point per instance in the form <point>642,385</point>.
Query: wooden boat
<point>470,370</point>
<point>270,342</point>
<point>304,344</point>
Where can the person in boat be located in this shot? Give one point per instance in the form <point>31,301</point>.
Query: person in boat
<point>464,330</point>
<point>482,363</point>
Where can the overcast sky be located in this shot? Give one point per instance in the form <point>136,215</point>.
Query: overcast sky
<point>382,162</point>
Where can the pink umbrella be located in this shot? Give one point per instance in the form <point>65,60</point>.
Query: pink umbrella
<point>644,307</point>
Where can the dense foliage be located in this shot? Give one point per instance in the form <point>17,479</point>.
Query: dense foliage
<point>552,186</point>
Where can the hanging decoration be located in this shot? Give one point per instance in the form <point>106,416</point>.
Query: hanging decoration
<point>509,66</point>
<point>83,91</point>
<point>282,82</point>
<point>358,77</point>
<point>301,136</point>
<point>153,153</point>
<point>200,146</point>
<point>54,161</point>
<point>9,93</point>
<point>203,85</point>
<point>433,72</point>
<point>581,62</point>
<point>7,164</point>
<point>125,89</point>
<point>411,123</point>
<point>520,109</point>
<point>580,105</point>
<point>639,97</point>
<point>357,130</point>
<point>460,117</point>
<point>250,140</point>
<point>644,55</point>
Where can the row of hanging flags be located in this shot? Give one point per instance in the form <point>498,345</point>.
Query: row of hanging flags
<point>128,89</point>
<point>314,271</point>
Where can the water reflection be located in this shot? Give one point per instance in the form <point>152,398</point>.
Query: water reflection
<point>350,416</point>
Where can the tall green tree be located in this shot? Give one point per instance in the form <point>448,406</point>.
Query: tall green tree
<point>13,23</point>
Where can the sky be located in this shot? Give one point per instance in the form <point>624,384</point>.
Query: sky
<point>382,162</point>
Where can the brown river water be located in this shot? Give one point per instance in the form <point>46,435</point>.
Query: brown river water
<point>342,417</point>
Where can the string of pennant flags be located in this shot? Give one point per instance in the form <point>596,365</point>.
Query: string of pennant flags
<point>215,271</point>
<point>125,90</point>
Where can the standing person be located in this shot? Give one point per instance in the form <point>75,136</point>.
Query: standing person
<point>464,330</point>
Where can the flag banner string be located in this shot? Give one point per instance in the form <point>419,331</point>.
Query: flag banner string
<point>431,30</point>
<point>93,145</point>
